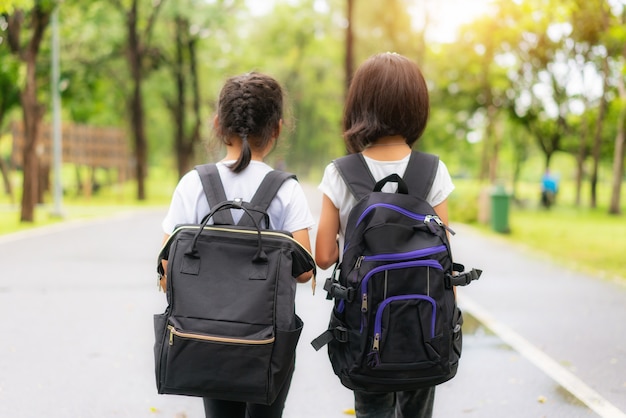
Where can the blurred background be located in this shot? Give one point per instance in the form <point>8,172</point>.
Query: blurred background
<point>106,103</point>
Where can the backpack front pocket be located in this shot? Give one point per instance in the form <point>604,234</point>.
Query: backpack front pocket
<point>208,363</point>
<point>407,270</point>
<point>404,334</point>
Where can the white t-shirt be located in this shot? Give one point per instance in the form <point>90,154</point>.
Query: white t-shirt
<point>289,211</point>
<point>335,188</point>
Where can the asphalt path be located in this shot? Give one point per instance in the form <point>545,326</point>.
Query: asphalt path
<point>77,301</point>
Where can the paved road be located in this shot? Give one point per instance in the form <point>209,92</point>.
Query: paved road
<point>76,341</point>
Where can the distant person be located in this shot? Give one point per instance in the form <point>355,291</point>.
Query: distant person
<point>385,113</point>
<point>549,189</point>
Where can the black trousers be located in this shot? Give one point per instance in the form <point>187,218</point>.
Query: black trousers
<point>408,404</point>
<point>215,408</point>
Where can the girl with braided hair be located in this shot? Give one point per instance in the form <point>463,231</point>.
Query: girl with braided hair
<point>248,122</point>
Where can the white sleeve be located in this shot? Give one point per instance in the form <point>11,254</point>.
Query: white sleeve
<point>187,202</point>
<point>297,214</point>
<point>333,186</point>
<point>442,186</point>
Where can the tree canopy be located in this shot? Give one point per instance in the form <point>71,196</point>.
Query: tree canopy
<point>508,79</point>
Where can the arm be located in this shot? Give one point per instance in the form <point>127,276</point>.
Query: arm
<point>442,211</point>
<point>163,281</point>
<point>326,249</point>
<point>302,236</point>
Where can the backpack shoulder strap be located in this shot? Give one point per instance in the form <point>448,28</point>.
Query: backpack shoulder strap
<point>354,171</point>
<point>268,188</point>
<point>420,173</point>
<point>264,195</point>
<point>214,192</point>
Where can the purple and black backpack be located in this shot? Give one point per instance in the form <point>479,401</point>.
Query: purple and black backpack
<point>395,324</point>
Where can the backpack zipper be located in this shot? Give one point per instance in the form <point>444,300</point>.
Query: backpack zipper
<point>409,255</point>
<point>194,336</point>
<point>383,305</point>
<point>241,231</point>
<point>427,219</point>
<point>396,208</point>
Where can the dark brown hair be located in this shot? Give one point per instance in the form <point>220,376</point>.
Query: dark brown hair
<point>387,96</point>
<point>250,106</point>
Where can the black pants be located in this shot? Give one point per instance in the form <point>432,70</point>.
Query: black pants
<point>215,408</point>
<point>408,404</point>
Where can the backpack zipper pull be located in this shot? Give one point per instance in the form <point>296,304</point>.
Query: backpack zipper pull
<point>427,221</point>
<point>364,303</point>
<point>376,346</point>
<point>171,336</point>
<point>444,226</point>
<point>357,264</point>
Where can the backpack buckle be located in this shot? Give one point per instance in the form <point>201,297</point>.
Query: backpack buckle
<point>462,279</point>
<point>337,291</point>
<point>340,334</point>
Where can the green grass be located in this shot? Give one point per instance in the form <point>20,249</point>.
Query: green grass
<point>581,238</point>
<point>110,199</point>
<point>585,240</point>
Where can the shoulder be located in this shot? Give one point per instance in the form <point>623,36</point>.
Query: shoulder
<point>189,181</point>
<point>442,185</point>
<point>331,178</point>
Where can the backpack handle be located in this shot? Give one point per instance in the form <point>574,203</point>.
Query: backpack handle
<point>259,257</point>
<point>392,178</point>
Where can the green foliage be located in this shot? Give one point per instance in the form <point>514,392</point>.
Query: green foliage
<point>8,6</point>
<point>501,94</point>
<point>589,240</point>
<point>463,203</point>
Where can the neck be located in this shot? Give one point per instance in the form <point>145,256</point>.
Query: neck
<point>234,150</point>
<point>388,148</point>
<point>388,141</point>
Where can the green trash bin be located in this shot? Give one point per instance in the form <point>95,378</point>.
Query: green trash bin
<point>500,210</point>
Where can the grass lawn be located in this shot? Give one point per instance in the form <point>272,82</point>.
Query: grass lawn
<point>588,240</point>
<point>585,239</point>
<point>108,200</point>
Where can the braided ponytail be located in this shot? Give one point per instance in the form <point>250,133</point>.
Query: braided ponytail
<point>250,107</point>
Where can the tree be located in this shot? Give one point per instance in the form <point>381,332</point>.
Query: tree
<point>617,35</point>
<point>349,57</point>
<point>141,58</point>
<point>184,70</point>
<point>188,24</point>
<point>600,36</point>
<point>26,30</point>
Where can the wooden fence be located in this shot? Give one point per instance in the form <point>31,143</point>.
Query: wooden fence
<point>90,146</point>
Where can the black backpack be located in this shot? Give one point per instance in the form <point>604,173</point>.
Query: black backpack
<point>230,329</point>
<point>395,324</point>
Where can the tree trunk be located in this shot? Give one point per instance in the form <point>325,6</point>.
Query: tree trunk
<point>184,139</point>
<point>349,59</point>
<point>597,140</point>
<point>4,169</point>
<point>195,87</point>
<point>580,161</point>
<point>178,107</point>
<point>136,101</point>
<point>32,113</point>
<point>497,141</point>
<point>618,152</point>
